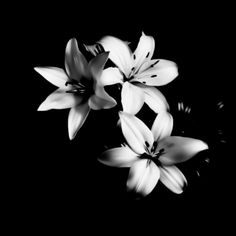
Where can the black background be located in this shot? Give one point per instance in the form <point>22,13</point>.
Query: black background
<point>55,180</point>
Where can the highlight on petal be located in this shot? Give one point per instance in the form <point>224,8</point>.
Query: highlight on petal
<point>54,75</point>
<point>136,133</point>
<point>119,157</point>
<point>155,99</point>
<point>96,65</point>
<point>76,118</point>
<point>162,73</point>
<point>111,76</point>
<point>75,62</point>
<point>143,177</point>
<point>179,149</point>
<point>144,50</point>
<point>162,125</point>
<point>59,100</point>
<point>119,53</point>
<point>97,103</point>
<point>132,98</point>
<point>172,178</point>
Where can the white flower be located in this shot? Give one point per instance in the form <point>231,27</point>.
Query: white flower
<point>152,154</point>
<point>137,72</point>
<point>79,87</point>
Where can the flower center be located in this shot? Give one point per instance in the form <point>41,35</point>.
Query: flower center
<point>152,155</point>
<point>83,88</point>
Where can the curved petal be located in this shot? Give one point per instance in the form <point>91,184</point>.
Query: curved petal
<point>119,53</point>
<point>76,118</point>
<point>172,178</point>
<point>96,65</point>
<point>111,76</point>
<point>136,133</point>
<point>162,125</point>
<point>154,99</point>
<point>144,50</point>
<point>54,75</point>
<point>100,92</point>
<point>118,157</point>
<point>132,98</point>
<point>143,176</point>
<point>162,73</point>
<point>75,61</point>
<point>59,100</point>
<point>179,149</point>
<point>97,103</point>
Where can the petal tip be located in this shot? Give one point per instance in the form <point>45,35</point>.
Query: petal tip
<point>42,107</point>
<point>38,69</point>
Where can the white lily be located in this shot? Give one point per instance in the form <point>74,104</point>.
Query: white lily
<point>152,154</point>
<point>79,87</point>
<point>136,71</point>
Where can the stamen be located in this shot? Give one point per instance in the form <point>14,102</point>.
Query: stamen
<point>134,56</point>
<point>71,91</point>
<point>147,55</point>
<point>154,146</point>
<point>152,76</point>
<point>148,162</point>
<point>132,68</point>
<point>74,83</point>
<point>99,48</point>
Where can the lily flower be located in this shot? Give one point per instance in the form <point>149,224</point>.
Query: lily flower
<point>137,72</point>
<point>152,154</point>
<point>79,86</point>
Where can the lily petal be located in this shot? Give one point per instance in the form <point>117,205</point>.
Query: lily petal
<point>132,98</point>
<point>143,176</point>
<point>162,125</point>
<point>97,102</point>
<point>119,53</point>
<point>136,133</point>
<point>144,51</point>
<point>75,62</point>
<point>96,65</point>
<point>179,149</point>
<point>118,157</point>
<point>101,93</point>
<point>59,99</point>
<point>154,99</point>
<point>76,118</point>
<point>111,76</point>
<point>172,178</point>
<point>162,73</point>
<point>54,75</point>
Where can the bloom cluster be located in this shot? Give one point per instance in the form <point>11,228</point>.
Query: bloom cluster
<point>151,154</point>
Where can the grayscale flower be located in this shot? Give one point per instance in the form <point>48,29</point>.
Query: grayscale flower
<point>137,72</point>
<point>79,86</point>
<point>152,154</point>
